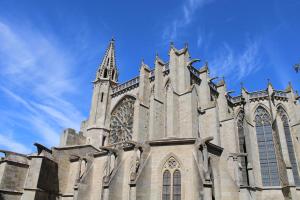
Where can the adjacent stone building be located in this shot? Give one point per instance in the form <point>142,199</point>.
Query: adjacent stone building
<point>172,133</point>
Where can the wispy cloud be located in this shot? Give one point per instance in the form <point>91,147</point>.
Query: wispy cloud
<point>188,10</point>
<point>12,145</point>
<point>236,65</point>
<point>36,72</point>
<point>204,39</point>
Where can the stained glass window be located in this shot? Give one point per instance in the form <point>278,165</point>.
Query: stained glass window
<point>177,185</point>
<point>290,146</point>
<point>171,180</point>
<point>166,193</point>
<point>267,155</point>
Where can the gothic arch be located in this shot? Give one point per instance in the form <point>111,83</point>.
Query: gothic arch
<point>281,110</point>
<point>121,99</point>
<point>105,73</point>
<point>166,158</point>
<point>266,148</point>
<point>255,109</point>
<point>171,178</point>
<point>282,114</point>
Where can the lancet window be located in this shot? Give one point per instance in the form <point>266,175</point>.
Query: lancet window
<point>171,180</point>
<point>290,145</point>
<point>267,155</point>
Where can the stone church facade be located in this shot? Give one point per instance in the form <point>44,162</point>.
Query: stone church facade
<point>172,133</point>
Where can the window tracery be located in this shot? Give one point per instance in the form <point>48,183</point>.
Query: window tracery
<point>121,122</point>
<point>171,180</point>
<point>266,147</point>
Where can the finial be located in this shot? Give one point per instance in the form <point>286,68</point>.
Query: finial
<point>186,45</point>
<point>289,87</point>
<point>172,44</point>
<point>156,54</point>
<point>144,66</point>
<point>156,57</point>
<point>112,39</point>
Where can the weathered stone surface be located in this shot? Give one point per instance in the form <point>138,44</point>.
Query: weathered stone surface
<point>175,122</point>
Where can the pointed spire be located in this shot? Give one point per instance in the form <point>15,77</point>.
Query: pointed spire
<point>289,87</point>
<point>243,89</point>
<point>108,68</point>
<point>270,86</point>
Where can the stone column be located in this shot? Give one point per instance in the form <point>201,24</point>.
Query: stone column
<point>141,107</point>
<point>207,187</point>
<point>156,111</point>
<point>132,192</point>
<point>105,193</point>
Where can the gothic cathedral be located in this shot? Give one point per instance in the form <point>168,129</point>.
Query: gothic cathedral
<point>171,133</point>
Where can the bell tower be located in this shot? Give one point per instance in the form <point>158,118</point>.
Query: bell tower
<point>106,78</point>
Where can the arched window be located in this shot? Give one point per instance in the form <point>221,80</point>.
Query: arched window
<point>290,145</point>
<point>176,185</point>
<point>267,155</point>
<point>171,180</point>
<point>105,73</point>
<point>166,193</point>
<point>242,148</point>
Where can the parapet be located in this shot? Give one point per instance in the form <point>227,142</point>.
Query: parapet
<point>70,137</point>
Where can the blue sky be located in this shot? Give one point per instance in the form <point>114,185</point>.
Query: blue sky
<point>50,50</point>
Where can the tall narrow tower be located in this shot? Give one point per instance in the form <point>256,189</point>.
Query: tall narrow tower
<point>106,78</point>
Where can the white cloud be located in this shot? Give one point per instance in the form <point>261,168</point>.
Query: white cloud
<point>36,72</point>
<point>237,65</point>
<point>188,10</point>
<point>13,145</point>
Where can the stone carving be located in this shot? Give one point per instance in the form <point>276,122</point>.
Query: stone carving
<point>136,162</point>
<point>110,165</point>
<point>205,162</point>
<point>122,121</point>
<point>83,166</point>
